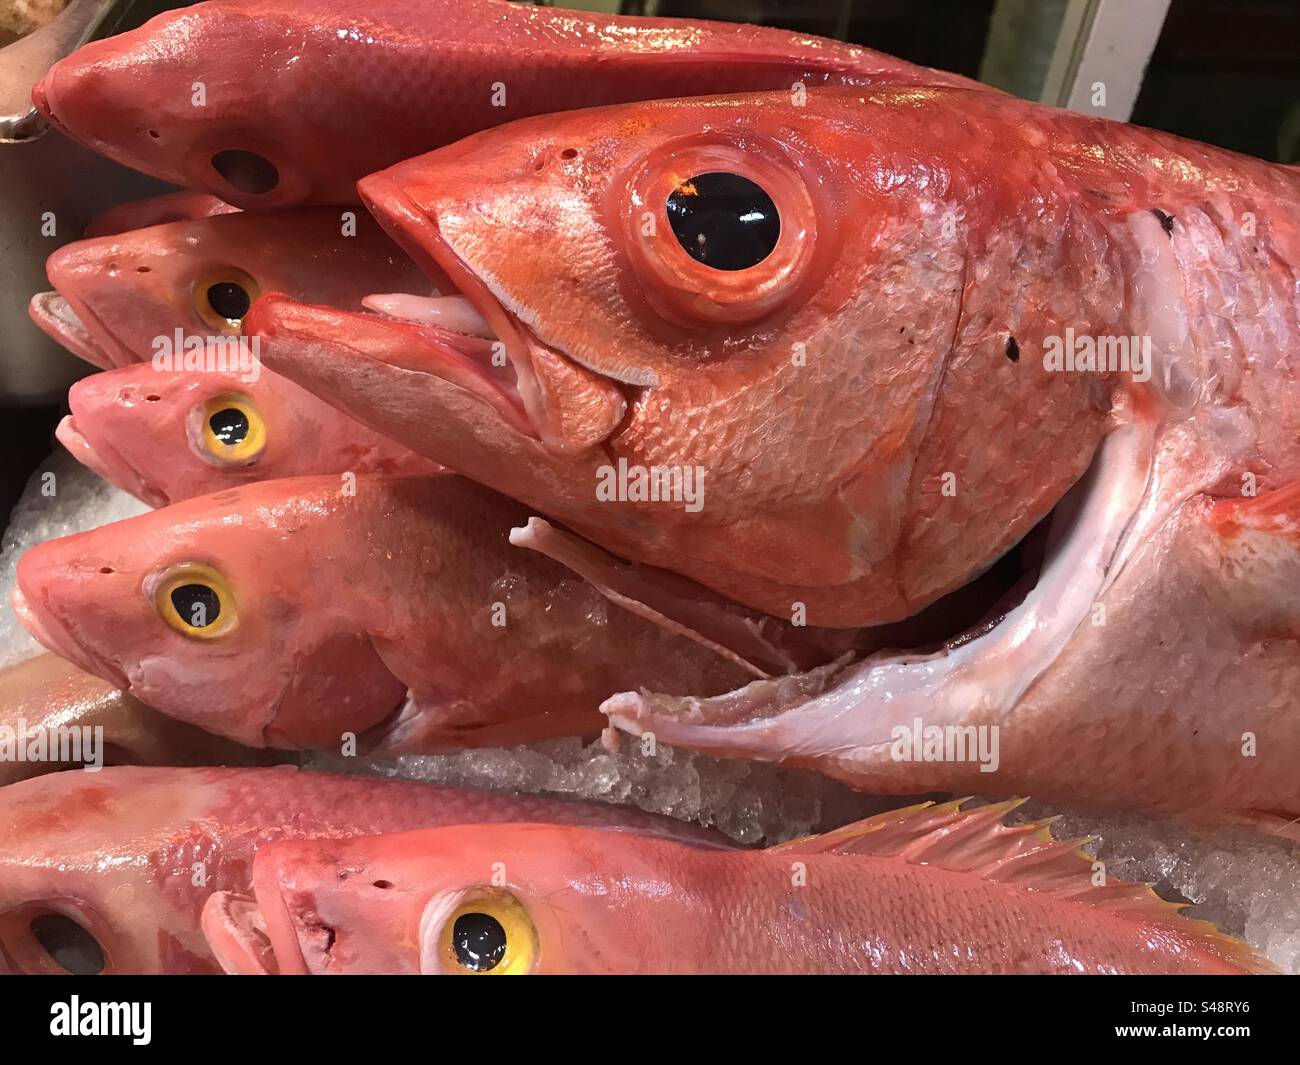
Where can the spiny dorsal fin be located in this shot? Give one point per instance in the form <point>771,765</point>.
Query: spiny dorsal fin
<point>976,842</point>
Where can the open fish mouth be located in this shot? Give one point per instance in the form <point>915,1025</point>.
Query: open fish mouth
<point>530,359</point>
<point>67,324</point>
<point>850,708</point>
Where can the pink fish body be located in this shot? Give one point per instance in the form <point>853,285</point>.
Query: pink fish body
<point>922,890</point>
<point>345,91</point>
<point>130,855</point>
<point>295,613</point>
<point>170,435</point>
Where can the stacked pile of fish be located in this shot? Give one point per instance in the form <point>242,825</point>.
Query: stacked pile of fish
<point>860,418</point>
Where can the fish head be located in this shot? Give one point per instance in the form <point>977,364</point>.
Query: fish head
<point>729,325</point>
<point>81,887</point>
<point>191,98</point>
<point>216,611</point>
<point>478,900</point>
<point>164,292</point>
<point>166,435</point>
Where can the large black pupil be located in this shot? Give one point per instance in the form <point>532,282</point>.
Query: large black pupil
<point>246,171</point>
<point>479,941</point>
<point>197,603</point>
<point>724,220</point>
<point>68,943</point>
<point>229,300</point>
<point>230,426</point>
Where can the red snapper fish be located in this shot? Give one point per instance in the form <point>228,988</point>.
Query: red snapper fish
<point>927,889</point>
<point>907,340</point>
<point>292,613</point>
<point>269,103</point>
<point>109,872</point>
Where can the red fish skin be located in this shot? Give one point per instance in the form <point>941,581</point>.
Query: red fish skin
<point>47,693</point>
<point>117,850</point>
<point>132,288</point>
<point>184,206</point>
<point>646,906</point>
<point>141,429</point>
<point>341,92</point>
<point>839,504</point>
<point>426,566</point>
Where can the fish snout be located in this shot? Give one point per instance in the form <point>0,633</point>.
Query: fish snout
<point>50,593</point>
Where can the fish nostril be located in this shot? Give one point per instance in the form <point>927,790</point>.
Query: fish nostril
<point>106,569</point>
<point>142,269</point>
<point>569,153</point>
<point>154,134</point>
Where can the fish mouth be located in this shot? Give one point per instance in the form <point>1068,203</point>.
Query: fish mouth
<point>534,363</point>
<point>848,711</point>
<point>56,316</point>
<point>237,934</point>
<point>46,628</point>
<point>105,461</point>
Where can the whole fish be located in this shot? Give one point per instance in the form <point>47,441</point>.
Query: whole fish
<point>985,337</point>
<point>267,103</point>
<point>109,872</point>
<point>293,613</point>
<point>927,889</point>
<point>168,435</point>
<point>50,708</point>
<point>142,294</point>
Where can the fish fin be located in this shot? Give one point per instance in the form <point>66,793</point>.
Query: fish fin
<point>1275,823</point>
<point>976,842</point>
<point>672,602</point>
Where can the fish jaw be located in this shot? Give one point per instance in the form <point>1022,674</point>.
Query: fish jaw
<point>55,315</point>
<point>569,407</point>
<point>105,462</point>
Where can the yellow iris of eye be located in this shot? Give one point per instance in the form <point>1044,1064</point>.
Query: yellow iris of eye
<point>489,934</point>
<point>222,297</point>
<point>233,431</point>
<point>196,601</point>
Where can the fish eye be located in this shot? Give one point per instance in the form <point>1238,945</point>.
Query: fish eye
<point>228,430</point>
<point>222,297</point>
<point>724,220</point>
<point>36,938</point>
<point>246,171</point>
<point>721,229</point>
<point>196,601</point>
<point>488,934</point>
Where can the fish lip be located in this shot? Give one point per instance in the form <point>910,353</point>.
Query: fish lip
<point>844,710</point>
<point>235,930</point>
<point>51,633</point>
<point>419,236</point>
<point>105,461</point>
<point>408,346</point>
<point>55,315</point>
